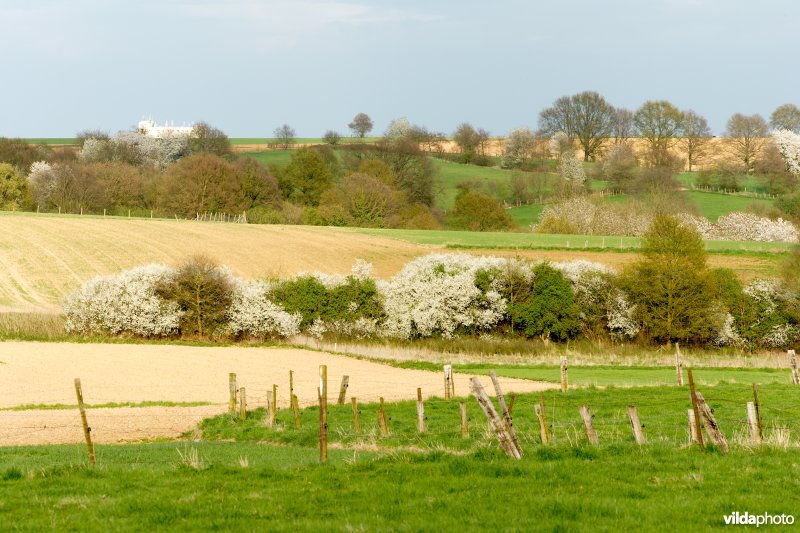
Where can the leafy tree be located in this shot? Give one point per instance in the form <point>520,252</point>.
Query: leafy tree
<point>361,125</point>
<point>305,177</point>
<point>519,148</point>
<point>695,135</point>
<point>585,116</point>
<point>544,306</point>
<point>203,291</point>
<point>748,135</point>
<point>671,285</point>
<point>258,187</point>
<point>359,200</point>
<point>659,123</point>
<point>285,135</point>
<point>13,186</point>
<point>20,154</point>
<point>411,167</point>
<point>207,139</point>
<point>202,183</point>
<point>786,117</point>
<point>474,211</point>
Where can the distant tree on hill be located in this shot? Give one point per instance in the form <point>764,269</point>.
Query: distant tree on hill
<point>748,135</point>
<point>20,154</point>
<point>695,135</point>
<point>622,125</point>
<point>202,183</point>
<point>332,137</point>
<point>305,178</point>
<point>285,135</point>
<point>519,147</point>
<point>659,124</point>
<point>361,125</point>
<point>786,117</point>
<point>585,116</point>
<point>210,140</point>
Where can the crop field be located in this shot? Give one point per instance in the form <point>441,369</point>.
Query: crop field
<point>45,257</point>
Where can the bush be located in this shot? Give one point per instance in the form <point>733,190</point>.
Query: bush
<point>252,314</point>
<point>203,292</point>
<point>548,308</point>
<point>474,211</point>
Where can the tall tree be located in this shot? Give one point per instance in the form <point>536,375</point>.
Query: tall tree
<point>305,177</point>
<point>207,139</point>
<point>585,116</point>
<point>467,138</point>
<point>285,135</point>
<point>786,117</point>
<point>695,135</point>
<point>622,126</point>
<point>659,123</point>
<point>748,135</point>
<point>361,125</point>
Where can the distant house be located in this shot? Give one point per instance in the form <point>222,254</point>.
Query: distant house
<point>151,129</point>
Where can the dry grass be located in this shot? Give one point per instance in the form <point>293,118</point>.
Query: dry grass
<point>39,326</point>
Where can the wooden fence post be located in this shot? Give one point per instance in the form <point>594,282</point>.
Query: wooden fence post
<point>275,398</point>
<point>464,421</point>
<point>678,364</point>
<point>343,389</point>
<point>793,364</point>
<point>591,434</point>
<point>541,416</point>
<point>87,431</point>
<point>356,418</point>
<point>383,421</point>
<point>698,433</point>
<point>636,426</point>
<point>513,397</point>
<point>232,389</point>
<point>448,382</point>
<point>563,374</point>
<point>270,420</point>
<point>506,414</point>
<point>242,404</point>
<point>710,423</point>
<point>420,412</point>
<point>291,386</point>
<point>296,412</point>
<point>758,412</point>
<point>503,436</point>
<point>693,437</point>
<point>323,413</point>
<point>752,421</point>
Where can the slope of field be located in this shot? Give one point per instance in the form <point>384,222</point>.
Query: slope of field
<point>41,374</point>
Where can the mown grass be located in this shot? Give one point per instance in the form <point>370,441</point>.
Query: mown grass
<point>714,205</point>
<point>526,215</point>
<point>269,479</point>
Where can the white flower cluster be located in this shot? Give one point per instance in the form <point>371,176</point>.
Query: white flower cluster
<point>143,149</point>
<point>728,334</point>
<point>749,227</point>
<point>765,293</point>
<point>570,168</point>
<point>252,314</point>
<point>788,143</point>
<point>437,294</point>
<point>125,303</point>
<point>620,316</point>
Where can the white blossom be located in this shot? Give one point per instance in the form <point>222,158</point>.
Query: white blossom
<point>252,314</point>
<point>788,143</point>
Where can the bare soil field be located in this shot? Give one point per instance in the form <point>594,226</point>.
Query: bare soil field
<point>43,258</point>
<point>37,374</point>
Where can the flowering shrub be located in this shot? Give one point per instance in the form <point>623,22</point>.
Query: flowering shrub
<point>788,143</point>
<point>124,304</point>
<point>252,314</point>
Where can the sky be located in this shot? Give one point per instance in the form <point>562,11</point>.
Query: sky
<point>248,66</point>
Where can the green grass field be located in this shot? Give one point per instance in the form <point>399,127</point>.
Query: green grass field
<point>526,215</point>
<point>243,475</point>
<point>241,141</point>
<point>714,205</point>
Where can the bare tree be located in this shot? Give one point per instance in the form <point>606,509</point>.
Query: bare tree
<point>748,135</point>
<point>585,116</point>
<point>695,136</point>
<point>622,125</point>
<point>659,123</point>
<point>361,125</point>
<point>285,135</point>
<point>332,137</point>
<point>786,117</point>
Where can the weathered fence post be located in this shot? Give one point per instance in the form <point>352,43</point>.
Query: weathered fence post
<point>383,420</point>
<point>87,431</point>
<point>752,421</point>
<point>541,416</point>
<point>242,404</point>
<point>420,412</point>
<point>793,364</point>
<point>356,418</point>
<point>710,423</point>
<point>232,389</point>
<point>449,389</point>
<point>694,438</point>
<point>563,374</point>
<point>291,385</point>
<point>343,389</point>
<point>503,436</point>
<point>678,364</point>
<point>698,433</point>
<point>513,397</point>
<point>296,412</point>
<point>636,426</point>
<point>506,414</point>
<point>757,407</point>
<point>323,413</point>
<point>464,421</point>
<point>270,420</point>
<point>275,398</point>
<point>591,434</point>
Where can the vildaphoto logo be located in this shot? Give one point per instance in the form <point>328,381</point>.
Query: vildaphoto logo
<point>746,519</point>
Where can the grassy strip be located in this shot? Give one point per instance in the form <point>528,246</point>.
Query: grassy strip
<point>109,405</point>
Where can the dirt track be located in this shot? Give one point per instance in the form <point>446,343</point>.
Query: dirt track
<point>43,373</point>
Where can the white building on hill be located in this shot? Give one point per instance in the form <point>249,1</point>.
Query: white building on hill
<point>148,127</point>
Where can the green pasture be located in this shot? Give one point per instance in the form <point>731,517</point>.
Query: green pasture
<point>242,141</point>
<point>526,215</point>
<point>53,140</point>
<point>714,205</point>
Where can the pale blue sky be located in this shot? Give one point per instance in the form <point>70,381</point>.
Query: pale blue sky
<point>247,66</point>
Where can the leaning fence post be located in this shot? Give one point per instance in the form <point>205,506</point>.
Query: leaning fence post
<point>793,364</point>
<point>636,426</point>
<point>420,412</point>
<point>323,413</point>
<point>232,389</point>
<point>563,373</point>
<point>698,433</point>
<point>503,436</point>
<point>343,389</point>
<point>506,414</point>
<point>678,364</point>
<point>591,434</point>
<point>710,423</point>
<point>87,431</point>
